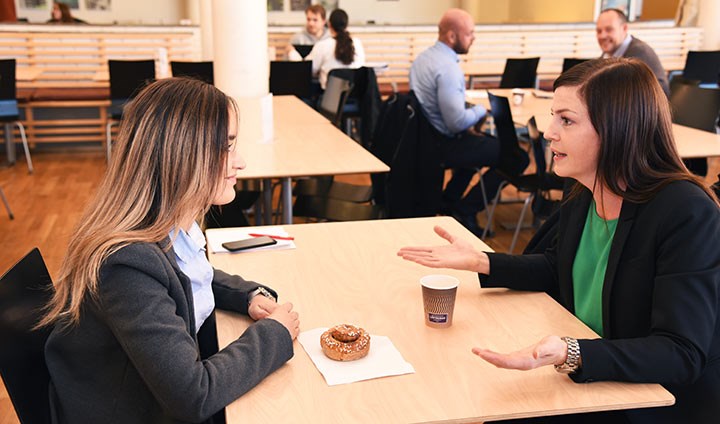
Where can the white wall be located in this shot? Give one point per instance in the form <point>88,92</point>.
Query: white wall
<point>132,12</point>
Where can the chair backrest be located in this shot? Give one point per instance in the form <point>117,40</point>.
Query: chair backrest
<point>198,70</point>
<point>510,152</point>
<point>538,147</point>
<point>128,77</point>
<point>677,80</point>
<point>334,98</point>
<point>695,107</point>
<point>569,62</point>
<point>291,78</point>
<point>8,90</point>
<point>520,73</point>
<point>703,66</point>
<point>24,290</point>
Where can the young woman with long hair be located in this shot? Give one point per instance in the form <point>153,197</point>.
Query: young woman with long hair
<point>637,255</point>
<point>339,51</point>
<point>136,293</point>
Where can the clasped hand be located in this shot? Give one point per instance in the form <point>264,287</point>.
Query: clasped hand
<point>262,307</point>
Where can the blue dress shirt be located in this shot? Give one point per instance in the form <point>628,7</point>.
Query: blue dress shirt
<point>439,84</point>
<point>189,250</point>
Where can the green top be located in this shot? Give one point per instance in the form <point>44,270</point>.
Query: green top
<point>589,268</point>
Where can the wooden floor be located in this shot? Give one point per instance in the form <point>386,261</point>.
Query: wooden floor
<point>48,203</point>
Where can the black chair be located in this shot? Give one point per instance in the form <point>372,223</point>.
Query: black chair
<point>406,141</point>
<point>291,78</point>
<point>7,205</point>
<point>24,290</point>
<point>329,209</point>
<point>698,108</point>
<point>678,80</point>
<point>363,103</point>
<point>127,78</point>
<point>520,73</point>
<point>511,162</point>
<point>9,112</point>
<point>333,100</point>
<point>198,70</point>
<point>703,66</point>
<point>569,62</point>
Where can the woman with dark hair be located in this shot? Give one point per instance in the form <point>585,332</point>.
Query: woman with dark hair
<point>133,310</point>
<point>637,256</point>
<point>339,51</point>
<point>60,14</point>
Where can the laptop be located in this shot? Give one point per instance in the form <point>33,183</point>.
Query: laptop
<point>303,49</point>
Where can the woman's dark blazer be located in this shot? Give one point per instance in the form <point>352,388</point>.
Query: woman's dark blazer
<point>660,299</point>
<point>135,357</point>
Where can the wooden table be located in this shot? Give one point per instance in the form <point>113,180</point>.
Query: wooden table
<point>304,144</point>
<point>348,272</point>
<point>690,142</point>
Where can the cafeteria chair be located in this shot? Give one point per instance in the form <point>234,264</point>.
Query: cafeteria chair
<point>127,78</point>
<point>569,62</point>
<point>362,106</point>
<point>198,70</point>
<point>7,205</point>
<point>333,100</point>
<point>703,66</point>
<point>695,107</point>
<point>24,290</point>
<point>511,160</point>
<point>291,78</point>
<point>9,112</point>
<point>520,73</point>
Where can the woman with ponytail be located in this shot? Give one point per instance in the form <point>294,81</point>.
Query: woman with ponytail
<point>339,51</point>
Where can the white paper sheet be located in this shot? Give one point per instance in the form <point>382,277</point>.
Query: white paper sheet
<point>217,236</point>
<point>382,360</point>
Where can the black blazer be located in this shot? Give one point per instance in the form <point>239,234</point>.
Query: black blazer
<point>660,301</point>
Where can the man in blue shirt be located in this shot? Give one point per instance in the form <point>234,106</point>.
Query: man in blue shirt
<point>439,84</point>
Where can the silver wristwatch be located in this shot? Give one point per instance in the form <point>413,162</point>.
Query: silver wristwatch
<point>261,291</point>
<point>572,362</point>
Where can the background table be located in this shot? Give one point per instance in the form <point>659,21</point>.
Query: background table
<point>348,273</point>
<point>304,144</point>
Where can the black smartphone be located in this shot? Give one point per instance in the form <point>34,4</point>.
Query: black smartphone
<point>250,243</point>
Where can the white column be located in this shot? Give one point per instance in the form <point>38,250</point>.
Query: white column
<point>708,18</point>
<point>240,49</point>
<point>206,30</point>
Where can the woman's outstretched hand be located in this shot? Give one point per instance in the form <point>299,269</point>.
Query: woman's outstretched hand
<point>459,254</point>
<point>550,350</point>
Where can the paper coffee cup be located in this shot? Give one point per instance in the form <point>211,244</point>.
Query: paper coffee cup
<point>439,292</point>
<point>518,96</point>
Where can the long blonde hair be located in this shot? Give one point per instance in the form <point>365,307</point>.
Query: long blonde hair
<point>170,153</point>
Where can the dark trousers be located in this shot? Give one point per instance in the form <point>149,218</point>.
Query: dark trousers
<point>465,154</point>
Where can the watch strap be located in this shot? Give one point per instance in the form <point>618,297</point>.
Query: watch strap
<point>572,362</point>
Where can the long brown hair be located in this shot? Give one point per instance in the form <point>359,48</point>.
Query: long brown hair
<point>170,153</point>
<point>344,47</point>
<point>631,115</point>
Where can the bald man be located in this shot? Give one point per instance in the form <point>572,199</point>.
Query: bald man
<point>612,36</point>
<point>439,84</point>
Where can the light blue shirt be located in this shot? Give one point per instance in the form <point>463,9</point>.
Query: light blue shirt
<point>189,250</point>
<point>439,84</point>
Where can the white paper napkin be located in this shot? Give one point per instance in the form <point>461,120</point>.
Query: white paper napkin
<point>217,236</point>
<point>383,360</point>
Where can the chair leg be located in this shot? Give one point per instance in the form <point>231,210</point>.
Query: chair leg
<point>21,127</point>
<point>492,210</point>
<point>484,194</point>
<point>108,139</point>
<point>7,205</point>
<point>528,201</point>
